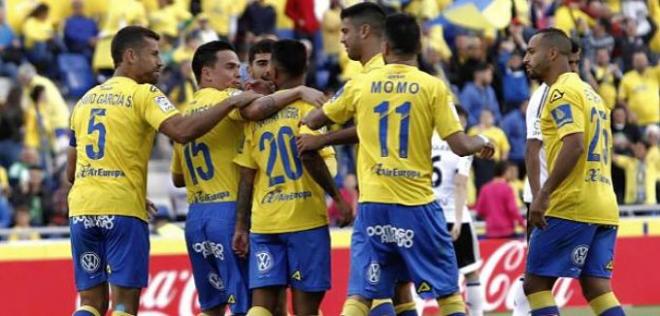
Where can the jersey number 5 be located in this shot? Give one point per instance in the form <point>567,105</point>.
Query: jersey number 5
<point>404,111</point>
<point>94,126</point>
<point>280,145</point>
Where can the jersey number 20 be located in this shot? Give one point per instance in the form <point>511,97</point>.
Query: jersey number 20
<point>285,138</point>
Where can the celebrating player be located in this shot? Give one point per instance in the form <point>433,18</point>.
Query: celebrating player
<point>289,239</point>
<point>574,234</point>
<point>398,235</point>
<point>450,186</point>
<point>205,166</point>
<point>107,163</point>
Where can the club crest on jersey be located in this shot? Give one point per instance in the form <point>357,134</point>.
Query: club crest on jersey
<point>579,255</point>
<point>562,115</point>
<point>90,262</point>
<point>164,103</point>
<point>556,95</point>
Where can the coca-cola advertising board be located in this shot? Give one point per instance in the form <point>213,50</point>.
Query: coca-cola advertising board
<point>36,278</point>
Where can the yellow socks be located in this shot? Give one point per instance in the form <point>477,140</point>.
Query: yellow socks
<point>353,307</point>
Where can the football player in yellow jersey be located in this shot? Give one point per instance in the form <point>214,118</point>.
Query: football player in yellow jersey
<point>113,127</point>
<point>399,235</point>
<point>574,233</point>
<point>205,166</point>
<point>289,240</point>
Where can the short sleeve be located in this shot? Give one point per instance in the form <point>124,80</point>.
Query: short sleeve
<point>566,111</point>
<point>175,167</point>
<point>464,165</point>
<point>244,157</point>
<point>444,116</point>
<point>341,106</point>
<point>153,105</point>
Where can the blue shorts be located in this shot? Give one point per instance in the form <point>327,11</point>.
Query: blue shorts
<point>571,249</point>
<point>299,259</point>
<point>220,276</point>
<point>393,243</point>
<point>112,249</point>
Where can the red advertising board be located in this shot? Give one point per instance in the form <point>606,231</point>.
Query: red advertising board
<point>44,286</point>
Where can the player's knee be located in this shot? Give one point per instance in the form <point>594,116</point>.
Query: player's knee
<point>259,311</point>
<point>402,294</point>
<point>594,287</point>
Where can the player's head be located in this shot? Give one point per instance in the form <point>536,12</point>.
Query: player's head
<point>640,60</point>
<point>361,24</point>
<point>639,150</point>
<point>215,64</point>
<point>574,57</point>
<point>259,58</point>
<point>619,116</point>
<point>602,56</point>
<point>462,115</point>
<point>546,49</point>
<point>402,37</point>
<point>135,50</point>
<point>483,74</point>
<point>288,62</point>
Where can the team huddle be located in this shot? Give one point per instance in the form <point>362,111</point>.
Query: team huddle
<point>257,165</point>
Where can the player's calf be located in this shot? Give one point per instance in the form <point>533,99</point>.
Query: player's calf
<point>307,303</point>
<point>598,291</point>
<point>93,301</point>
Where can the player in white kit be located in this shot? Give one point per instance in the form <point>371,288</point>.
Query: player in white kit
<point>450,178</point>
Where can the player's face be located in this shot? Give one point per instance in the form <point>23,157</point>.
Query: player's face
<point>225,73</point>
<point>148,62</point>
<point>259,66</point>
<point>350,37</point>
<point>535,58</point>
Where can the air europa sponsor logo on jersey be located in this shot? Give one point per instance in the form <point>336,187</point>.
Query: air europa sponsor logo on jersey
<point>382,171</point>
<point>89,171</point>
<point>278,196</point>
<point>201,197</point>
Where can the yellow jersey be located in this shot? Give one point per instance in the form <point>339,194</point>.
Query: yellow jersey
<point>640,91</point>
<point>207,162</point>
<point>574,107</point>
<point>56,110</point>
<point>286,198</point>
<point>35,31</point>
<point>497,136</point>
<point>114,125</point>
<point>396,108</point>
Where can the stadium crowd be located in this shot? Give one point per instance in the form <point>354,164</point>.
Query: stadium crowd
<point>51,52</point>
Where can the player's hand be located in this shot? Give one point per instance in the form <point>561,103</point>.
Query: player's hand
<point>306,142</point>
<point>537,211</point>
<point>151,208</point>
<point>312,96</point>
<point>246,97</point>
<point>345,212</point>
<point>260,86</point>
<point>240,243</point>
<point>455,231</point>
<point>487,151</point>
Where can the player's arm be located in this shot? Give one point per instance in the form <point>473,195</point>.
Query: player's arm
<point>460,196</point>
<point>315,165</point>
<point>178,180</point>
<point>464,145</point>
<point>71,158</point>
<point>268,105</point>
<point>533,164</point>
<point>183,129</point>
<point>343,136</point>
<point>316,119</point>
<point>243,211</point>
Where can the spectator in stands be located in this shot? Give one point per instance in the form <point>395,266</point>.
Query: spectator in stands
<point>258,19</point>
<point>469,55</point>
<point>641,174</point>
<point>223,16</point>
<point>331,28</point>
<point>514,127</point>
<point>186,51</point>
<point>36,197</point>
<point>496,204</point>
<point>22,229</point>
<point>19,172</point>
<point>206,33</point>
<point>167,19</point>
<point>305,26</point>
<point>5,208</point>
<point>628,44</point>
<point>479,95</point>
<point>182,93</point>
<point>624,135</point>
<point>40,40</point>
<point>515,86</point>
<point>597,39</point>
<point>484,168</point>
<point>11,124</point>
<point>349,193</point>
<point>10,48</point>
<point>542,13</point>
<point>80,32</point>
<point>638,91</point>
<point>606,76</point>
